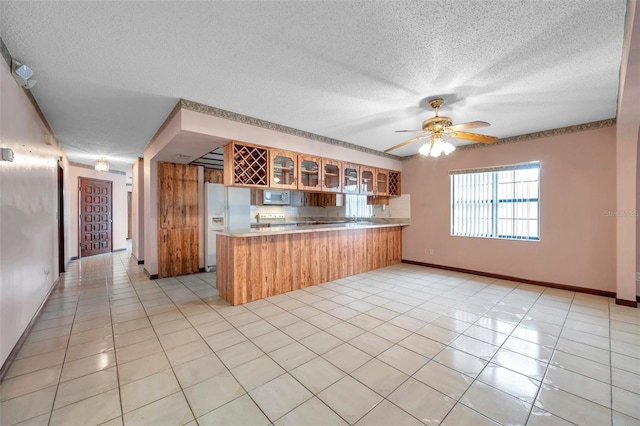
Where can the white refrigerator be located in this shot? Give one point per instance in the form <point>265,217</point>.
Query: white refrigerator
<point>228,209</point>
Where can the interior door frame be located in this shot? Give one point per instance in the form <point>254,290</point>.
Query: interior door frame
<point>80,179</point>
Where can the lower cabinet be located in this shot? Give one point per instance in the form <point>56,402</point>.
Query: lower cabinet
<point>315,199</point>
<point>257,266</point>
<point>177,252</point>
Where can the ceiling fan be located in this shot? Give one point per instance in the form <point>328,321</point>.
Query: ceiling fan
<point>438,127</point>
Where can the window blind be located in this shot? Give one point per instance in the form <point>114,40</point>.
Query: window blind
<point>496,202</point>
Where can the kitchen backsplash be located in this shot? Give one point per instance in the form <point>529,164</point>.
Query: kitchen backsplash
<point>290,212</point>
<point>398,208</point>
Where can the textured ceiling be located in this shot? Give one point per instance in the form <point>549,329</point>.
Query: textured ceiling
<point>110,72</point>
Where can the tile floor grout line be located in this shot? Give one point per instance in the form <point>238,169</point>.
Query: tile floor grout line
<point>115,355</point>
<point>203,339</point>
<point>165,354</point>
<point>544,374</point>
<point>55,396</point>
<point>458,401</point>
<point>405,285</point>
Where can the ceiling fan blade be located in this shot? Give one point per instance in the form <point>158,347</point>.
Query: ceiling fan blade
<point>410,131</point>
<point>474,137</point>
<point>400,145</point>
<point>469,125</point>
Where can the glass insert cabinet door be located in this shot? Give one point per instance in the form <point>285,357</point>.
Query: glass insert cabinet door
<point>351,178</point>
<point>283,169</point>
<point>367,183</point>
<point>331,176</point>
<point>309,176</point>
<point>382,182</point>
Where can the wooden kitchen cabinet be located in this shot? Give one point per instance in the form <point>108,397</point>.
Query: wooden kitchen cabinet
<point>283,167</point>
<point>213,176</point>
<point>257,197</point>
<point>382,182</point>
<point>395,187</point>
<point>245,165</point>
<point>367,180</point>
<point>319,199</point>
<point>309,173</point>
<point>331,175</point>
<point>374,181</point>
<point>350,178</point>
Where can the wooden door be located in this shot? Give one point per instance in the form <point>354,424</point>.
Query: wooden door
<point>95,219</point>
<point>178,240</point>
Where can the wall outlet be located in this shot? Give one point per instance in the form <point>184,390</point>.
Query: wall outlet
<point>431,252</point>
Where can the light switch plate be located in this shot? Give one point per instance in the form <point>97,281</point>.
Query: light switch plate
<point>7,154</point>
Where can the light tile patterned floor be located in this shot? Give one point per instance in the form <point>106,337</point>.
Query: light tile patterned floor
<point>402,345</point>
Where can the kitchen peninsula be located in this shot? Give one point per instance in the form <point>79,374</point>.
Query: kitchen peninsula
<point>258,263</point>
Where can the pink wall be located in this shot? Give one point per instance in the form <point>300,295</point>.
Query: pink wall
<point>577,245</point>
<point>628,133</point>
<point>150,196</point>
<point>137,209</point>
<point>28,212</point>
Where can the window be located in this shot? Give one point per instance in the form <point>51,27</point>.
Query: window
<point>356,206</point>
<point>499,202</point>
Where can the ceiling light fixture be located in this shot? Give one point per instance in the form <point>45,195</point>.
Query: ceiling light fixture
<point>22,74</point>
<point>102,165</point>
<point>436,146</point>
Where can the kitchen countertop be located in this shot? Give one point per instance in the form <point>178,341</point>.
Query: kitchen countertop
<point>304,228</point>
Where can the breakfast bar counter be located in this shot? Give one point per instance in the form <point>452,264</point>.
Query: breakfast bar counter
<point>256,263</point>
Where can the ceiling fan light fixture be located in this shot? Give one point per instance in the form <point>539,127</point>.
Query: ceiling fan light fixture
<point>448,148</point>
<point>436,148</point>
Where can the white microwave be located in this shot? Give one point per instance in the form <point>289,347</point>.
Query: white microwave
<point>276,197</point>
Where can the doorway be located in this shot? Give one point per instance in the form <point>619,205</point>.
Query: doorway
<point>95,216</point>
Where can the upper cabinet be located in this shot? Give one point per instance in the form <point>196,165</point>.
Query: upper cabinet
<point>350,178</point>
<point>261,167</point>
<point>367,180</point>
<point>374,181</point>
<point>382,182</point>
<point>331,175</point>
<point>245,165</point>
<point>395,188</point>
<point>284,167</point>
<point>309,173</point>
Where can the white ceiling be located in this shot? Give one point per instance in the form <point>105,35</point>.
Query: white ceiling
<point>109,73</point>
